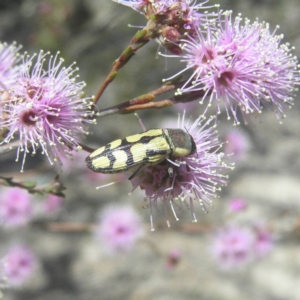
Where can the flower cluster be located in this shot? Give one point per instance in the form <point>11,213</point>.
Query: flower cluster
<point>171,20</point>
<point>44,108</point>
<point>16,208</point>
<point>19,264</point>
<point>243,66</point>
<point>118,229</point>
<point>195,177</point>
<point>235,246</point>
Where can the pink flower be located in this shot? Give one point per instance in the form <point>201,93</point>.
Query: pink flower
<point>237,204</point>
<point>243,66</point>
<point>196,179</point>
<point>263,241</point>
<point>52,204</point>
<point>237,143</point>
<point>232,247</point>
<point>45,108</point>
<point>16,207</point>
<point>118,228</point>
<point>19,264</point>
<point>9,58</point>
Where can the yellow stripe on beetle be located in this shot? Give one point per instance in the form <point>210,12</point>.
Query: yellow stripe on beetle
<point>147,148</point>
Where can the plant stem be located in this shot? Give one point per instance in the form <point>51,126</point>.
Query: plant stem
<point>140,39</point>
<point>146,101</point>
<point>55,187</point>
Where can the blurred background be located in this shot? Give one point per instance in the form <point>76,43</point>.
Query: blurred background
<point>261,201</point>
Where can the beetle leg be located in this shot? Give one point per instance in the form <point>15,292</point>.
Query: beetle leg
<point>136,172</point>
<point>141,122</point>
<point>173,163</point>
<point>172,186</point>
<point>171,171</point>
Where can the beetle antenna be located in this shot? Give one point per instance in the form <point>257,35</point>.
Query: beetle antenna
<point>183,117</point>
<point>111,183</point>
<point>105,185</point>
<point>141,122</point>
<point>186,129</point>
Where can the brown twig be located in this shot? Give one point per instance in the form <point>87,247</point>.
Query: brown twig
<point>140,39</point>
<point>157,104</point>
<point>86,227</point>
<point>55,187</point>
<point>146,101</point>
<point>69,227</point>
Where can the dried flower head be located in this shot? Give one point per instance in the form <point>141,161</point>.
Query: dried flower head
<point>19,264</point>
<point>118,229</point>
<point>195,177</point>
<point>16,207</point>
<point>242,66</point>
<point>171,11</point>
<point>170,20</point>
<point>45,109</point>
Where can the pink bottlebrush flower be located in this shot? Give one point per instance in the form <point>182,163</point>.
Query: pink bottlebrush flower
<point>16,207</point>
<point>196,177</point>
<point>237,204</point>
<point>243,66</point>
<point>237,143</point>
<point>9,57</point>
<point>232,247</point>
<point>45,109</point>
<point>52,205</point>
<point>263,243</point>
<point>19,264</point>
<point>118,228</point>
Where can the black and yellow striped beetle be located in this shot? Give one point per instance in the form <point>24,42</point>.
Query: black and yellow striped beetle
<point>144,149</point>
